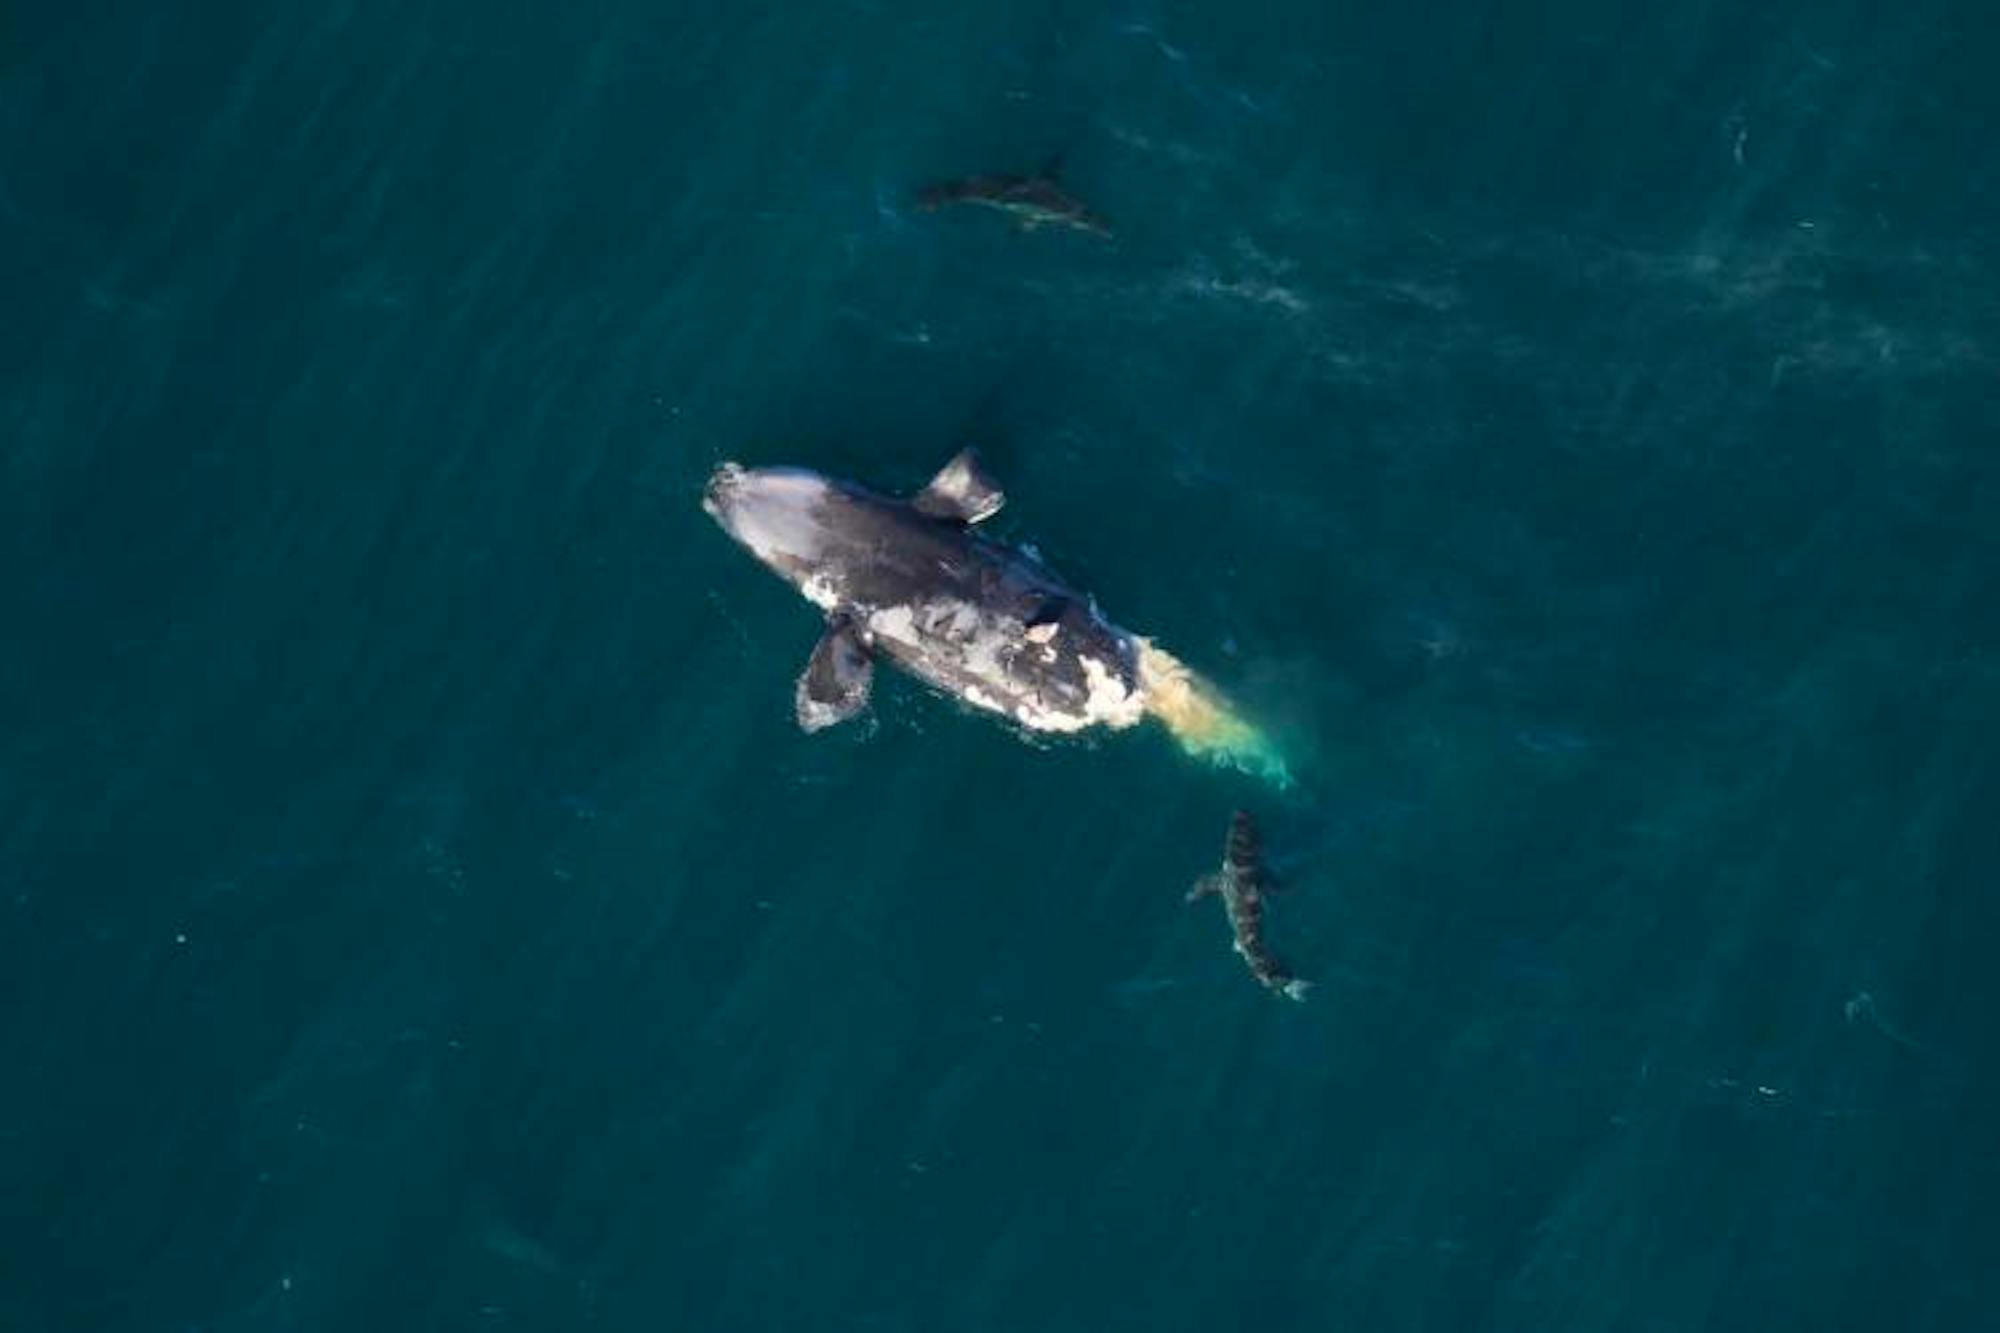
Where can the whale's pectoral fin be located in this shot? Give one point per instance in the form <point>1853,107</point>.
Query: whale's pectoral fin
<point>1206,886</point>
<point>961,491</point>
<point>834,686</point>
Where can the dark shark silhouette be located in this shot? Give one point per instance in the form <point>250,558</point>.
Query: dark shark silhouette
<point>1032,201</point>
<point>1241,884</point>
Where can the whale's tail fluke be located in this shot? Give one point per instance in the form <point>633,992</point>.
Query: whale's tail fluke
<point>1203,721</point>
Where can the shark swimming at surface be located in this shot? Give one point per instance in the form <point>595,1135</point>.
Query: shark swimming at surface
<point>911,582</point>
<point>1034,201</point>
<point>1242,884</point>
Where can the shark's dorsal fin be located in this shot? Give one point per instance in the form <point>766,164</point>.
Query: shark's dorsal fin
<point>961,491</point>
<point>1052,169</point>
<point>835,684</point>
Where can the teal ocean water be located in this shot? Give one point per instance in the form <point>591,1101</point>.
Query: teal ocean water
<point>1569,427</point>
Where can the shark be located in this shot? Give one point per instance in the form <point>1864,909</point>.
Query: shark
<point>1242,884</point>
<point>1033,201</point>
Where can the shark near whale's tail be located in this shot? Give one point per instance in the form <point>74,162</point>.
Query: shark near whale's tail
<point>1202,720</point>
<point>1242,884</point>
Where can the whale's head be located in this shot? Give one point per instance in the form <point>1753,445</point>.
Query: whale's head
<point>778,514</point>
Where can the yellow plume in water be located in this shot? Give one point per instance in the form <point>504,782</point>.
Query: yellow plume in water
<point>1202,720</point>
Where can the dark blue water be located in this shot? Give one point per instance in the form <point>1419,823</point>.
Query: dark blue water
<point>1570,428</point>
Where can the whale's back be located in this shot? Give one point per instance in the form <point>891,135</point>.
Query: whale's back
<point>979,620</point>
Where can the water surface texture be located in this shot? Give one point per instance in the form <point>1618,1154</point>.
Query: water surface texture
<point>1570,427</point>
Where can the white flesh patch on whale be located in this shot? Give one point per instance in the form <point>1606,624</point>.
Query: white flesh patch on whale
<point>896,623</point>
<point>976,647</point>
<point>1110,701</point>
<point>822,590</point>
<point>979,698</point>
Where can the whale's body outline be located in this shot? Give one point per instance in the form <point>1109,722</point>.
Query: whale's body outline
<point>912,582</point>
